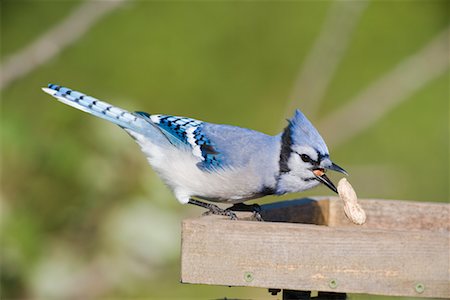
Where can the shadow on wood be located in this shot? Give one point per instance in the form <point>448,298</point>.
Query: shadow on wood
<point>306,211</point>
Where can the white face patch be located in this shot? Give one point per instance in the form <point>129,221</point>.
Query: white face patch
<point>312,153</point>
<point>196,150</point>
<point>292,183</point>
<point>301,176</point>
<point>299,168</point>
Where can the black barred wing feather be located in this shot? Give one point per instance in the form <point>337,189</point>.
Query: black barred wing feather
<point>187,132</point>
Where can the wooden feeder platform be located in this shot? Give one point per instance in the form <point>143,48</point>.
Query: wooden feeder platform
<point>309,245</point>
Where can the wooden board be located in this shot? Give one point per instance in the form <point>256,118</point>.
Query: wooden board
<point>381,214</point>
<point>384,256</point>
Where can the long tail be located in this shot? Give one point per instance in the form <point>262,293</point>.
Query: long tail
<point>99,108</point>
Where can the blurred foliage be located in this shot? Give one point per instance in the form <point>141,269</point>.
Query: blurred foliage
<point>78,200</point>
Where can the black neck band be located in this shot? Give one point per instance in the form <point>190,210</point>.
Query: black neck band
<point>285,151</point>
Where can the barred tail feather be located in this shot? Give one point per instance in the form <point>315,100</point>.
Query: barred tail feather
<point>96,107</point>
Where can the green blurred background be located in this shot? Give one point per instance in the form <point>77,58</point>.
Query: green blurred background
<point>82,214</point>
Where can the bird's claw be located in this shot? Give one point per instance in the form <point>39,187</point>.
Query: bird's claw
<point>255,208</point>
<point>257,216</point>
<point>215,210</point>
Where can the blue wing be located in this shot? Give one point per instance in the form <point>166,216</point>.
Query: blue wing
<point>213,159</point>
<point>187,132</point>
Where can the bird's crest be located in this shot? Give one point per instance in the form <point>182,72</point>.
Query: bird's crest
<point>303,133</point>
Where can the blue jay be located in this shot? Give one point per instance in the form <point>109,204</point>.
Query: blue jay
<point>218,163</point>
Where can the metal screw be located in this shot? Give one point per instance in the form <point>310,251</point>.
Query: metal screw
<point>248,276</point>
<point>333,283</point>
<point>420,288</point>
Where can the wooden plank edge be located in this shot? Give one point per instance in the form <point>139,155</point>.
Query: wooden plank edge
<point>212,227</point>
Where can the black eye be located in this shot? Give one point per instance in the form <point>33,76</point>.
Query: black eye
<point>305,158</point>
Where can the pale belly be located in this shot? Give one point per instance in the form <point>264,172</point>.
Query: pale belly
<point>178,169</point>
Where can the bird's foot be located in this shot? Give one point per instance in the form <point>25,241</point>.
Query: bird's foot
<point>257,216</point>
<point>255,208</point>
<point>215,210</point>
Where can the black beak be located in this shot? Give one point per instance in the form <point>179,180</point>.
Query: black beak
<point>325,180</point>
<point>336,168</point>
<point>320,175</point>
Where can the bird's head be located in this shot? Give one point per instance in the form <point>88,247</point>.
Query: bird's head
<point>304,157</point>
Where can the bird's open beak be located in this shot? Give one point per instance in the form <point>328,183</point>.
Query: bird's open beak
<point>320,175</point>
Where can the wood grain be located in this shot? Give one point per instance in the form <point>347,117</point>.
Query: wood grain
<point>386,260</point>
<point>395,214</point>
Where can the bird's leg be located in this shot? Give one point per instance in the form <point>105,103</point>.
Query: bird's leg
<point>245,207</point>
<point>213,209</point>
<point>255,208</point>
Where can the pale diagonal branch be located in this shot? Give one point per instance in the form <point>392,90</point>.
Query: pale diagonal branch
<point>55,40</point>
<point>408,77</point>
<point>326,54</point>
